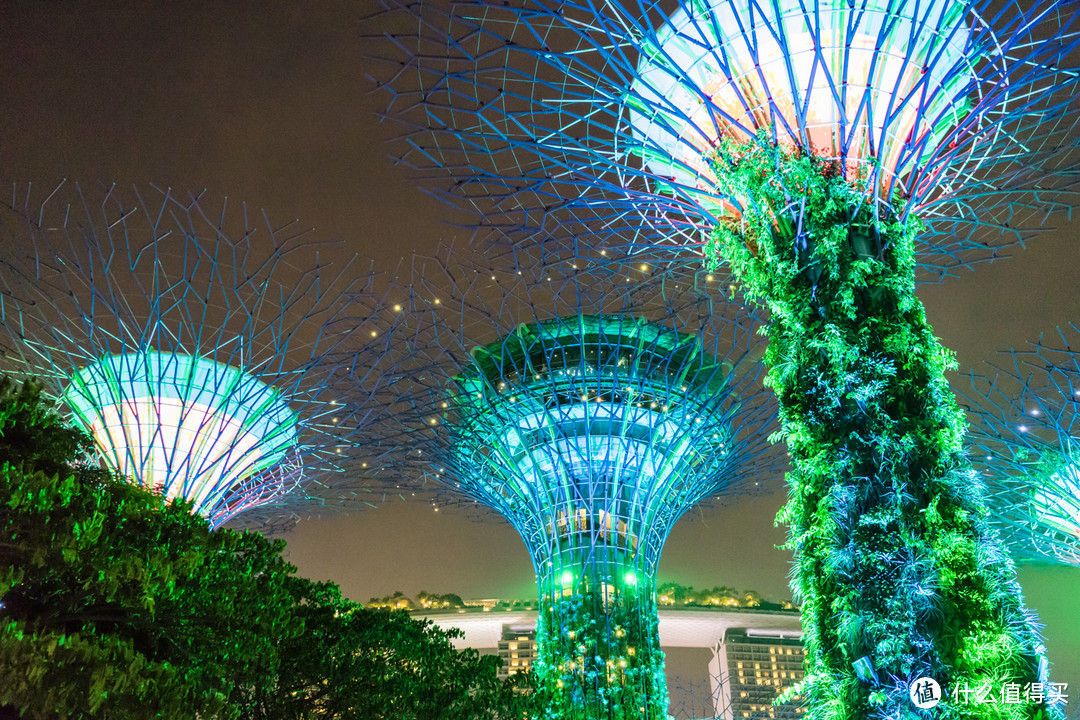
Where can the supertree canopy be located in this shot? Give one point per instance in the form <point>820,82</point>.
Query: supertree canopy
<point>821,151</point>
<point>591,413</point>
<point>199,364</point>
<point>182,425</point>
<point>1026,439</point>
<point>824,84</point>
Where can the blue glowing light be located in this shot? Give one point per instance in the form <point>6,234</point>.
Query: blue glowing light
<point>241,374</point>
<point>182,426</point>
<point>1026,436</point>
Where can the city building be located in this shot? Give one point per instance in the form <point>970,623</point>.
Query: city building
<point>517,648</point>
<point>757,664</point>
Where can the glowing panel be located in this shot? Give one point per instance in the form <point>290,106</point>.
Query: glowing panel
<point>182,426</point>
<point>854,81</point>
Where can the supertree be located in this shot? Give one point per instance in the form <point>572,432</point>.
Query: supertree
<point>591,410</point>
<point>1026,439</point>
<point>821,150</point>
<point>199,364</point>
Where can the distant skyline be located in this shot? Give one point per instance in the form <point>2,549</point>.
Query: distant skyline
<point>268,104</point>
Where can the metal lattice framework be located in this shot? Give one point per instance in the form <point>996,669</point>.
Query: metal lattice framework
<point>601,121</point>
<point>591,410</point>
<point>199,364</point>
<point>1026,439</point>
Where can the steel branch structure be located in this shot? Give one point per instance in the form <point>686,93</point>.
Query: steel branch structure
<point>822,151</point>
<point>604,121</point>
<point>1026,439</point>
<point>591,410</point>
<point>197,363</point>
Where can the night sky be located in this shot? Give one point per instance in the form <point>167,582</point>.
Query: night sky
<point>267,103</point>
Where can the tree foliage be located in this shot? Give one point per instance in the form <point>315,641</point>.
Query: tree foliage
<point>424,600</point>
<point>356,662</point>
<point>116,603</point>
<point>599,657</point>
<point>671,593</point>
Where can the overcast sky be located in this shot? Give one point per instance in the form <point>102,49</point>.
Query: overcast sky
<point>267,103</point>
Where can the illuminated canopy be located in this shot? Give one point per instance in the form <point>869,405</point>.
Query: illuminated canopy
<point>880,81</point>
<point>1034,495</point>
<point>854,141</point>
<point>205,367</point>
<point>591,410</point>
<point>185,427</point>
<point>1026,438</point>
<point>602,123</point>
<point>1055,510</point>
<point>593,434</point>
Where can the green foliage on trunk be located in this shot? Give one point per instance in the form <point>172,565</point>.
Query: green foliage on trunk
<point>896,562</point>
<point>599,657</point>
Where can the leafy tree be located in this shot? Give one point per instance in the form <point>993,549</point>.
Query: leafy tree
<point>374,663</point>
<point>437,601</point>
<point>398,600</point>
<point>116,603</point>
